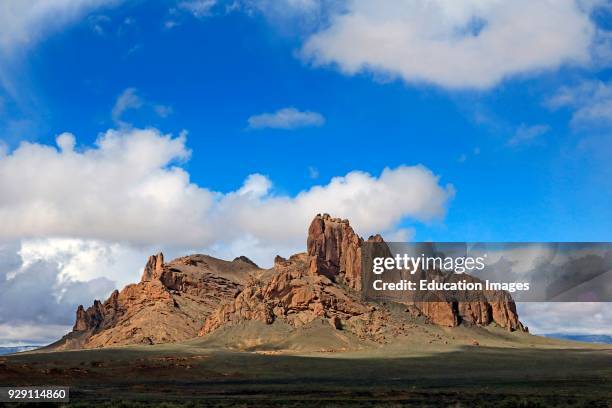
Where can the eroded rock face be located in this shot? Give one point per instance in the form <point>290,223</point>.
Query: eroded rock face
<point>169,304</point>
<point>297,295</point>
<point>451,314</point>
<point>92,317</point>
<point>505,315</point>
<point>312,286</point>
<point>153,268</point>
<point>335,250</point>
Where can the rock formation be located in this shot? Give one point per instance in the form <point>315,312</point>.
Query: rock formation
<point>169,304</point>
<point>296,295</point>
<point>154,268</point>
<point>323,284</point>
<point>198,294</point>
<point>335,250</point>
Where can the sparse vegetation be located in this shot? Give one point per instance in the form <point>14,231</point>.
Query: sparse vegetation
<point>521,371</point>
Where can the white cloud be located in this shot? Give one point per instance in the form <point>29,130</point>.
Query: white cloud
<point>129,188</point>
<point>84,260</point>
<point>130,99</point>
<point>25,334</point>
<point>99,24</point>
<point>295,14</point>
<point>399,235</point>
<point>170,24</point>
<point>24,22</point>
<point>567,317</point>
<point>256,185</point>
<point>286,118</point>
<point>199,8</point>
<point>467,44</point>
<point>33,292</point>
<point>3,148</point>
<point>527,134</point>
<point>163,111</point>
<point>294,5</point>
<point>66,142</point>
<point>42,281</point>
<point>591,102</point>
<point>373,204</point>
<point>463,157</point>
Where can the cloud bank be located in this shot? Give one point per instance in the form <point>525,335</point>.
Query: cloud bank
<point>130,187</point>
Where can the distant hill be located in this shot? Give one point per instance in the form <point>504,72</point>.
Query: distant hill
<point>11,350</point>
<point>587,338</point>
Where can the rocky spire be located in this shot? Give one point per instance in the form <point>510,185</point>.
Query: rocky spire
<point>153,268</point>
<point>335,250</point>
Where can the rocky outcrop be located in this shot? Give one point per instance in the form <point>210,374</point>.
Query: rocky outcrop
<point>451,314</point>
<point>298,296</point>
<point>90,318</point>
<point>504,314</point>
<point>335,250</point>
<point>154,267</point>
<point>474,308</point>
<point>169,304</point>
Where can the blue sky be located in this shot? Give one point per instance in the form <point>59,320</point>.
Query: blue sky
<point>217,71</point>
<point>521,143</point>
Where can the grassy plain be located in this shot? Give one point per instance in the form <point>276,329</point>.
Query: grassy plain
<point>434,367</point>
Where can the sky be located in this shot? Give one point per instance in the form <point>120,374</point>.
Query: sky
<point>128,127</point>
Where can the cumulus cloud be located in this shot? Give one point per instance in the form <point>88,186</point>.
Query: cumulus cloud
<point>528,134</point>
<point>34,293</point>
<point>590,101</point>
<point>467,44</point>
<point>42,281</point>
<point>286,118</point>
<point>86,259</point>
<point>130,187</point>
